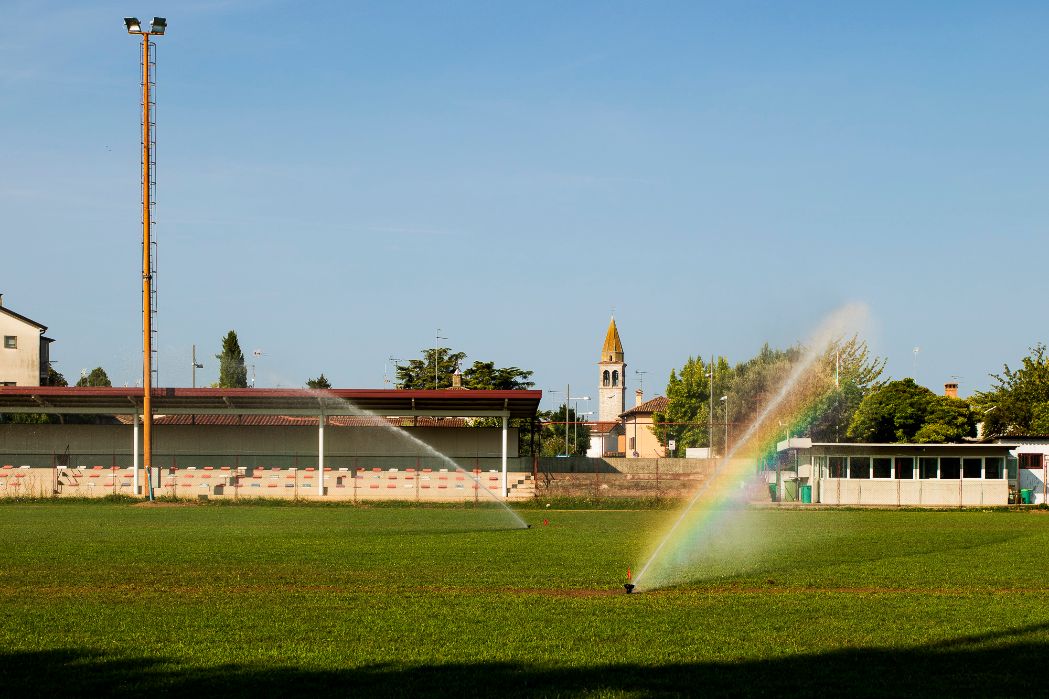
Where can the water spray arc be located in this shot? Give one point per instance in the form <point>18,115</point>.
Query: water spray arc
<point>717,492</point>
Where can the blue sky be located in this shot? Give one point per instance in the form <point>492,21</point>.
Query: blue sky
<point>337,181</point>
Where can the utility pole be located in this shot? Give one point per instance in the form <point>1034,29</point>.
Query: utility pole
<point>196,366</point>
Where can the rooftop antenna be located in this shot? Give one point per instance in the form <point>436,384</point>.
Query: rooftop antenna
<point>641,380</point>
<point>916,351</point>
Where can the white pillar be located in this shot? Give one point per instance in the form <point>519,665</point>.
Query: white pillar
<point>504,457</point>
<point>134,452</point>
<point>320,456</point>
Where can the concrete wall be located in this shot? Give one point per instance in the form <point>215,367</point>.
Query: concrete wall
<point>21,365</point>
<point>584,464</point>
<point>91,445</point>
<point>932,493</point>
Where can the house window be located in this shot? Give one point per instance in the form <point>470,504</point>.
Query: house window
<point>631,444</point>
<point>1030,461</point>
<point>8,383</point>
<point>928,467</point>
<point>992,468</point>
<point>10,342</point>
<point>882,467</point>
<point>860,467</point>
<point>905,467</point>
<point>950,468</point>
<point>972,468</point>
<point>836,465</point>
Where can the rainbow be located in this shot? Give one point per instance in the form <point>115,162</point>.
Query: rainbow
<point>696,541</point>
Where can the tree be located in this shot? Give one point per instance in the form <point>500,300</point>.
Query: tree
<point>557,431</point>
<point>855,375</point>
<point>688,404</point>
<point>233,372</point>
<point>903,411</point>
<point>97,377</point>
<point>485,376</point>
<point>321,382</point>
<point>54,378</point>
<point>1018,402</point>
<point>420,373</point>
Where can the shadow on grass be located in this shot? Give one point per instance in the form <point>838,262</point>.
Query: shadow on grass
<point>995,664</point>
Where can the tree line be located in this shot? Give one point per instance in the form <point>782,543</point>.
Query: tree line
<point>860,406</point>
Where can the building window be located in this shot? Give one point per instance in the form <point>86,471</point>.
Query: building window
<point>928,467</point>
<point>836,465</point>
<point>905,467</point>
<point>631,444</point>
<point>1030,461</point>
<point>882,467</point>
<point>604,378</point>
<point>615,378</point>
<point>10,342</point>
<point>8,383</point>
<point>992,468</point>
<point>860,467</point>
<point>972,468</point>
<point>950,468</point>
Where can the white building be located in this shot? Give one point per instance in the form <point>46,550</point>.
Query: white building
<point>935,475</point>
<point>25,352</point>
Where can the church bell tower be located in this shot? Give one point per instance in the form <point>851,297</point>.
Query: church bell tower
<point>611,376</point>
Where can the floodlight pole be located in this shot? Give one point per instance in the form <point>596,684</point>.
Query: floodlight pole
<point>147,277</point>
<point>158,26</point>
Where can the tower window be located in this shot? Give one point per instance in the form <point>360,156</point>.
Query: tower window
<point>604,378</point>
<point>615,378</point>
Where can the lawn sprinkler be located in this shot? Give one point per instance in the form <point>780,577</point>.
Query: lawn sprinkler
<point>629,586</point>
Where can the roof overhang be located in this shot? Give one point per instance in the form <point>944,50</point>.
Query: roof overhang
<point>893,449</point>
<point>270,401</point>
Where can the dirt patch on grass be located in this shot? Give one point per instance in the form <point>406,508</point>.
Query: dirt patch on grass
<point>165,503</point>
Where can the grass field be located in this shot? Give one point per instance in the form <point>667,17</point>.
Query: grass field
<point>262,600</point>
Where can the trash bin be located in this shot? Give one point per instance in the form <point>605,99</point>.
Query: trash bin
<point>790,491</point>
<point>772,491</point>
<point>806,493</point>
<point>1025,496</point>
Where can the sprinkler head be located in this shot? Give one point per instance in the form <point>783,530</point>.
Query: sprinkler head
<point>528,526</point>
<point>629,587</point>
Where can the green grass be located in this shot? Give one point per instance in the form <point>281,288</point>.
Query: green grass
<point>121,599</point>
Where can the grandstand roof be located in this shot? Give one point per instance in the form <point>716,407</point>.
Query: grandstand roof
<point>270,401</point>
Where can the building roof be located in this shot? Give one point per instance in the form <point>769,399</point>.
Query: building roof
<point>601,427</point>
<point>270,401</point>
<point>656,405</point>
<point>612,350</point>
<point>19,316</point>
<point>301,421</point>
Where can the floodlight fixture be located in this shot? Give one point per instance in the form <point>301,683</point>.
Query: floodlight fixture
<point>158,25</point>
<point>133,25</point>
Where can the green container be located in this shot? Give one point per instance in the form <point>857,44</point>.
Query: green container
<point>790,491</point>
<point>772,491</point>
<point>806,493</point>
<point>1025,496</point>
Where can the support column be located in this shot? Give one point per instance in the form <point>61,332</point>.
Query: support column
<point>134,452</point>
<point>504,457</point>
<point>320,456</point>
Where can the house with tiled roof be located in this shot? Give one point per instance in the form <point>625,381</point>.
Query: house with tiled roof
<point>637,424</point>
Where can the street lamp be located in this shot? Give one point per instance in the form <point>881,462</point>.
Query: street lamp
<point>157,28</point>
<point>575,437</point>
<point>710,417</point>
<point>196,365</point>
<point>436,350</point>
<point>724,399</point>
<point>570,397</point>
